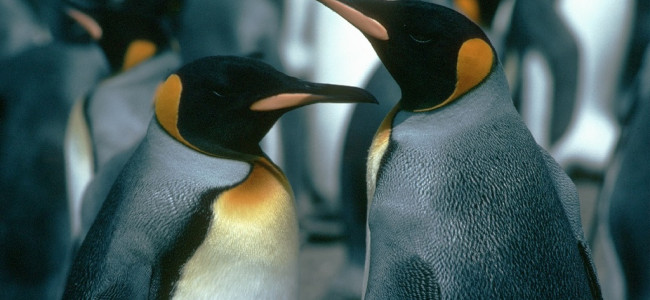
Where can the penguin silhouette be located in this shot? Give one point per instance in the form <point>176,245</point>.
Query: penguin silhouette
<point>463,203</point>
<point>41,79</point>
<point>199,211</point>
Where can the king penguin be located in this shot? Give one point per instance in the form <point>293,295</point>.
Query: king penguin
<point>199,211</point>
<point>107,123</point>
<point>463,204</point>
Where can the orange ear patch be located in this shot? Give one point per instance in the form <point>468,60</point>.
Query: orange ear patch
<point>137,52</point>
<point>167,100</point>
<point>475,60</point>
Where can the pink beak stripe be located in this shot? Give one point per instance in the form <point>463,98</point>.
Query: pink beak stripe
<point>283,101</point>
<point>86,22</point>
<point>367,25</point>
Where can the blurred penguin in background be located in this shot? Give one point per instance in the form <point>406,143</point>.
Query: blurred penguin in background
<point>107,124</point>
<point>39,85</point>
<point>563,70</point>
<point>229,27</point>
<point>624,201</point>
<point>590,138</point>
<point>626,194</point>
<point>634,60</point>
<point>20,28</point>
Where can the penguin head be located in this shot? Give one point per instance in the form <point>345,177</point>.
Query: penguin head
<point>127,32</point>
<point>434,53</point>
<point>222,105</point>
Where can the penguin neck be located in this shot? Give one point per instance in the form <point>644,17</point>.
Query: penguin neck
<point>422,88</point>
<point>492,96</point>
<point>255,153</point>
<point>223,146</point>
<point>423,97</point>
<point>447,82</point>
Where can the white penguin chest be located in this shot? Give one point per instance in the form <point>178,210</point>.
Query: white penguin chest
<point>251,247</point>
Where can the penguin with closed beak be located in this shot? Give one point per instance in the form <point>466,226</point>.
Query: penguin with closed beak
<point>463,204</point>
<point>199,211</point>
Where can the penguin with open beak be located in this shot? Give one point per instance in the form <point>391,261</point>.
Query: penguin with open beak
<point>463,204</point>
<point>199,211</point>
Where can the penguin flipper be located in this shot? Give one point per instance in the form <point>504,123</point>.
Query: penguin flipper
<point>411,278</point>
<point>109,282</point>
<point>418,280</point>
<point>566,192</point>
<point>132,285</point>
<point>569,197</point>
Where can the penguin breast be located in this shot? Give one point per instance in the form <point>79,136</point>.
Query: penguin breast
<point>251,247</point>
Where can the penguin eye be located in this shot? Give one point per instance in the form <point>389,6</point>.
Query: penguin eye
<point>214,92</point>
<point>420,38</point>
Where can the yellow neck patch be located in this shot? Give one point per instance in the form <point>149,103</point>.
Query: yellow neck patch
<point>167,100</point>
<point>377,150</point>
<point>469,8</point>
<point>138,51</point>
<point>247,200</point>
<point>475,60</point>
<point>253,234</point>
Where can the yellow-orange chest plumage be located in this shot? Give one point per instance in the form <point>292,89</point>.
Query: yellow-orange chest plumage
<point>251,247</point>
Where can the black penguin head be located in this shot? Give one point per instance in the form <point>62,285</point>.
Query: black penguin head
<point>127,31</point>
<point>434,53</point>
<point>224,104</point>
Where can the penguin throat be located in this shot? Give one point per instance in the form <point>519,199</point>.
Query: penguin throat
<point>250,152</point>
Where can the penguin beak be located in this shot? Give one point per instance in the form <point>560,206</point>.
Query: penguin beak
<point>365,24</point>
<point>311,93</point>
<point>87,22</point>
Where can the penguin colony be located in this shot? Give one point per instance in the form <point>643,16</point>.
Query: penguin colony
<point>462,202</point>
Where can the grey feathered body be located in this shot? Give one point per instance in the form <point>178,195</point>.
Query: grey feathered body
<point>155,216</point>
<point>468,206</point>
